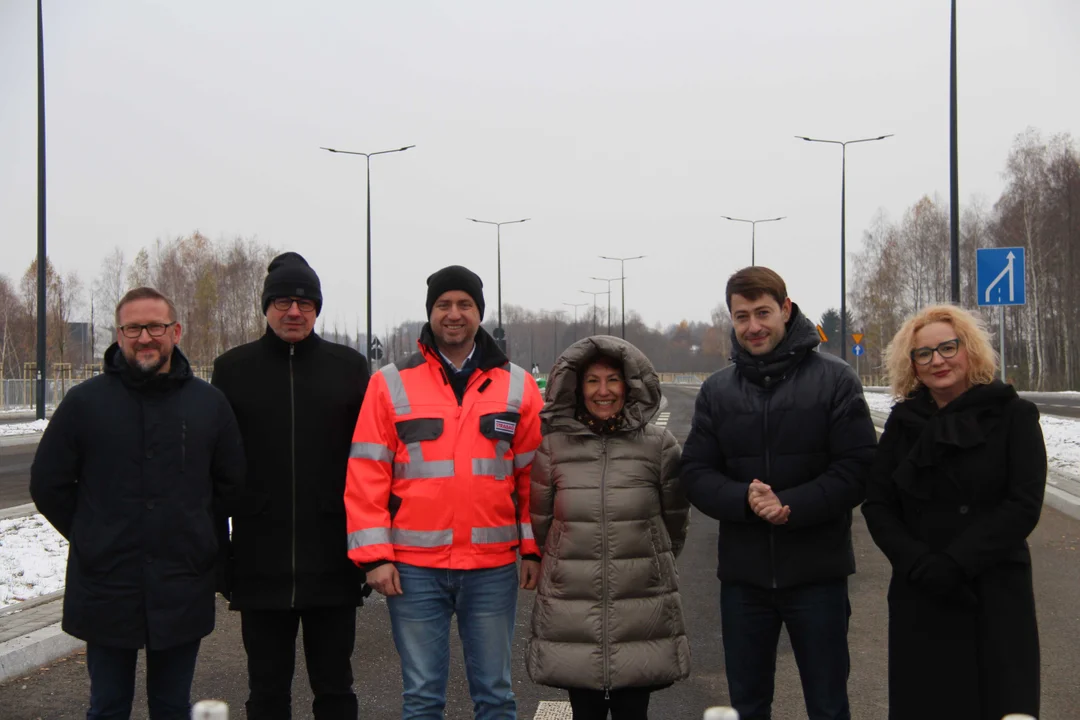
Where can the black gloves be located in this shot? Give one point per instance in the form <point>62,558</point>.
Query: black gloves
<point>937,574</point>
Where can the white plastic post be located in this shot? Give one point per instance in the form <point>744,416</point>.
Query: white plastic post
<point>210,710</point>
<point>721,713</point>
<point>1017,716</point>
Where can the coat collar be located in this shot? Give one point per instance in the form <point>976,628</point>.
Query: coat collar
<point>276,344</point>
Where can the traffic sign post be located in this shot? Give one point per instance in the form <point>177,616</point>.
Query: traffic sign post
<point>857,350</point>
<point>1000,280</point>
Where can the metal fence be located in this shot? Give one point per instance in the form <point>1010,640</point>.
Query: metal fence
<point>18,395</point>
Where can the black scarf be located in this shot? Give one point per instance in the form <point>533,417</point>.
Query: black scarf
<point>601,427</point>
<point>940,432</point>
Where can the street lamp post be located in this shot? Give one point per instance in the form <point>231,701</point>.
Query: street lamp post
<point>575,306</point>
<point>594,309</point>
<point>42,255</point>
<point>843,219</point>
<point>622,288</point>
<point>753,233</point>
<point>608,281</point>
<point>367,158</point>
<point>500,334</point>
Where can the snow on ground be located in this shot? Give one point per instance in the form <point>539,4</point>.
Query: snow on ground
<point>33,557</point>
<point>1062,435</point>
<point>23,428</point>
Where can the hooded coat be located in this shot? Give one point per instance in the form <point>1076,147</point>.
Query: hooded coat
<point>610,515</point>
<point>135,471</point>
<point>963,486</point>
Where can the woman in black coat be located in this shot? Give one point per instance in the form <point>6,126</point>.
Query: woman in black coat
<point>957,487</point>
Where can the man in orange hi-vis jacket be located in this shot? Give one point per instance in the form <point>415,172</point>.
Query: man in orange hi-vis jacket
<point>437,498</point>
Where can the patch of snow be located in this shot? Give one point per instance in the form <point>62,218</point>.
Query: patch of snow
<point>33,559</point>
<point>26,428</point>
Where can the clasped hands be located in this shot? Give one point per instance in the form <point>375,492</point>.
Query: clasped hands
<point>765,504</point>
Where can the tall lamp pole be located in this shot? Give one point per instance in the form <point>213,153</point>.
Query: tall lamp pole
<point>367,157</point>
<point>608,281</point>
<point>500,334</point>
<point>42,259</point>
<point>954,174</point>
<point>753,233</point>
<point>843,219</point>
<point>594,309</point>
<point>575,306</point>
<point>622,288</point>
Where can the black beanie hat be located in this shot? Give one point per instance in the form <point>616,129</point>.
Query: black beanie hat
<point>289,275</point>
<point>455,277</point>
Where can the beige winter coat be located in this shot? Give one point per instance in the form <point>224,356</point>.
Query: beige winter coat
<point>610,516</point>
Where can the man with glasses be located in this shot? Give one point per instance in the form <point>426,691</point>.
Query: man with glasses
<point>296,398</point>
<point>779,451</point>
<point>136,469</point>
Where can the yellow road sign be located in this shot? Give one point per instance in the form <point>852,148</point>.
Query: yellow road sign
<point>857,337</point>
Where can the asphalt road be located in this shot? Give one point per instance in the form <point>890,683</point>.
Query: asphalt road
<point>15,474</point>
<point>60,690</point>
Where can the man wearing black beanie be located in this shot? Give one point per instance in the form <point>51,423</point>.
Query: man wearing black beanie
<point>296,397</point>
<point>437,499</point>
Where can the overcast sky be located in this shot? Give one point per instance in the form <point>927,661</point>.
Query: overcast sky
<point>620,128</point>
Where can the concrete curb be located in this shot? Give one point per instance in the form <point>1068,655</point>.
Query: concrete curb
<point>35,649</point>
<point>18,511</point>
<point>17,440</point>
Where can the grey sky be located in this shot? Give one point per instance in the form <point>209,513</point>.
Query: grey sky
<point>620,128</point>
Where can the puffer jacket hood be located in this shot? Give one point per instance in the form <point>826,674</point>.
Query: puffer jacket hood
<point>642,384</point>
<point>610,514</point>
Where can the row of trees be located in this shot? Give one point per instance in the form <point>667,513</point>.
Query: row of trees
<point>904,265</point>
<point>215,286</point>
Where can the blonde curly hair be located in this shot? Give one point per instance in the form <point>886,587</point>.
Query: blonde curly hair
<point>982,359</point>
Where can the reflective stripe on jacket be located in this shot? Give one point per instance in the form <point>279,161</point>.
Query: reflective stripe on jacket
<point>437,484</point>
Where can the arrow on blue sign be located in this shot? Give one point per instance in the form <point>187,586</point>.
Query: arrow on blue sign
<point>1000,275</point>
<point>857,350</point>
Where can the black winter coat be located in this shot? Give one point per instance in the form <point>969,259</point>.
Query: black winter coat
<point>296,404</point>
<point>132,472</point>
<point>967,482</point>
<point>796,420</point>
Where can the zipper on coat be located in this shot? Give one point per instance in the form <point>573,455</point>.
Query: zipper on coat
<point>292,441</point>
<point>604,566</point>
<point>183,446</point>
<point>768,478</point>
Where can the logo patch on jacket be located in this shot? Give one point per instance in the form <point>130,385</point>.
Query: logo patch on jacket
<point>505,426</point>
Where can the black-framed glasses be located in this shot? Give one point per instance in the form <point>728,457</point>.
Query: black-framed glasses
<point>284,303</point>
<point>134,330</point>
<point>925,355</point>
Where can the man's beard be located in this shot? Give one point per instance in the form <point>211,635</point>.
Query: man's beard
<point>145,368</point>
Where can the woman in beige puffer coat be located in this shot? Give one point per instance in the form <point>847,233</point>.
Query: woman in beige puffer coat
<point>608,511</point>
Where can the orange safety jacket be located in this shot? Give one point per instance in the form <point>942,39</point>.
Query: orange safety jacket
<point>435,483</point>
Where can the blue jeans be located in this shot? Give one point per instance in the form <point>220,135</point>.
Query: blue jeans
<point>816,616</point>
<point>485,602</point>
<point>168,681</point>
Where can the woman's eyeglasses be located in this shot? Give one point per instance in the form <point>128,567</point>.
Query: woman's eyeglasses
<point>947,349</point>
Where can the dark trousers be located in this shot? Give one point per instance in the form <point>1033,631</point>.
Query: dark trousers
<point>816,616</point>
<point>168,681</point>
<point>270,643</point>
<point>624,704</point>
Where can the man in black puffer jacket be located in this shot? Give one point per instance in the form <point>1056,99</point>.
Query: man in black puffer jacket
<point>779,451</point>
<point>135,468</point>
<point>296,398</point>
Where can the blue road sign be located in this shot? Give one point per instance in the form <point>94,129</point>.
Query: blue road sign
<point>1000,276</point>
<point>857,350</point>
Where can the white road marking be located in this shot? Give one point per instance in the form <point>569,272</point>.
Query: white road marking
<point>553,710</point>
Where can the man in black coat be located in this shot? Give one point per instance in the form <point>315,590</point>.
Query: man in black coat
<point>134,469</point>
<point>779,452</point>
<point>296,398</point>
